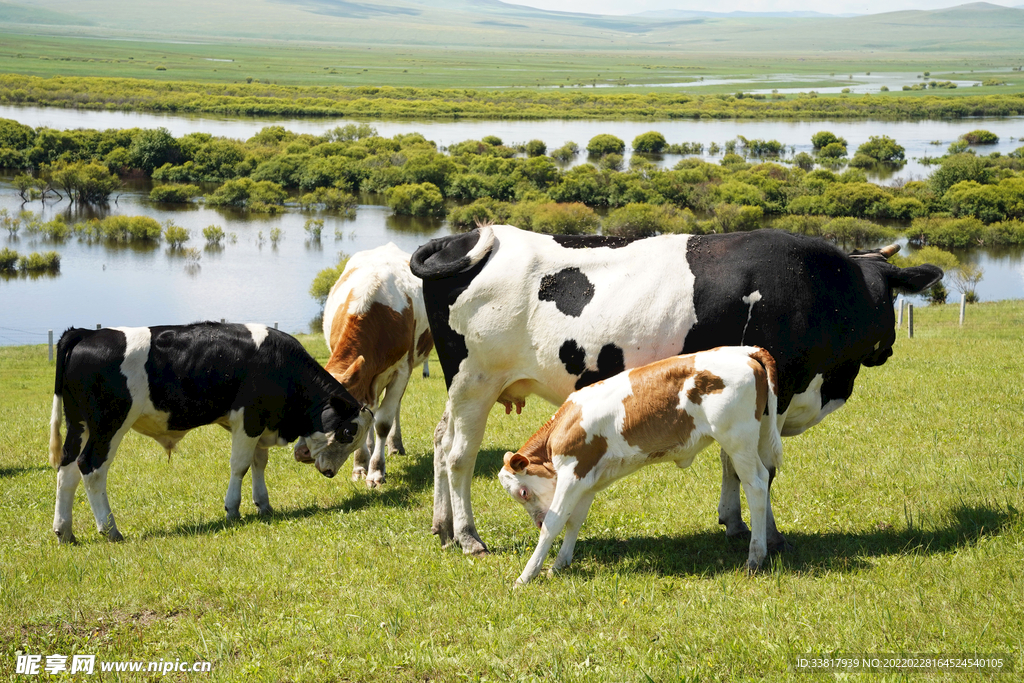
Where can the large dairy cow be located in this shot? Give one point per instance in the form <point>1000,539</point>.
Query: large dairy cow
<point>515,313</point>
<point>258,383</point>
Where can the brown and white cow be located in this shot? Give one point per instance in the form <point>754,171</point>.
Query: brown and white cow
<point>375,326</point>
<point>668,411</point>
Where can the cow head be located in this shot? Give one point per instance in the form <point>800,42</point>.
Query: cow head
<point>530,486</point>
<point>344,425</point>
<point>883,279</point>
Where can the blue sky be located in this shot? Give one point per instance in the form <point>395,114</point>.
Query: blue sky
<point>834,7</point>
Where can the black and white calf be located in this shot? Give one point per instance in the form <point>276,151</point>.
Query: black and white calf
<point>515,313</point>
<point>258,383</point>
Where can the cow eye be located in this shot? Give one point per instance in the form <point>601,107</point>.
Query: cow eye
<point>524,493</point>
<point>348,431</point>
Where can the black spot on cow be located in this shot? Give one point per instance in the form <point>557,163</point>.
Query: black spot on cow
<point>610,361</point>
<point>573,357</point>
<point>591,241</point>
<point>569,289</point>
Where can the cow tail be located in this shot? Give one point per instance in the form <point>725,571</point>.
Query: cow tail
<point>448,256</point>
<point>771,438</point>
<point>67,342</point>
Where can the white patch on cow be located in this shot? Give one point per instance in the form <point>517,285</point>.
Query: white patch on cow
<point>805,409</point>
<point>496,318</point>
<point>258,332</point>
<point>378,275</point>
<point>133,367</point>
<point>750,300</point>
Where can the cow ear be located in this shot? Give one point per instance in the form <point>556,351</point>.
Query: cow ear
<point>516,462</point>
<point>344,407</point>
<point>915,279</point>
<point>351,376</point>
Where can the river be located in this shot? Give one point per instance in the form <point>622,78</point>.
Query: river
<point>251,279</point>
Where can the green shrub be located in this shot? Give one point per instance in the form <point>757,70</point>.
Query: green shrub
<point>736,218</point>
<point>314,227</point>
<point>175,235</point>
<point>949,233</point>
<point>482,211</point>
<point>423,199</point>
<point>8,259</point>
<point>125,229</point>
<point>652,142</point>
<point>248,193</point>
<point>604,143</point>
<point>214,235</point>
<point>958,168</point>
<point>569,150</point>
<point>565,219</point>
<point>321,286</point>
<point>55,230</point>
<point>37,263</point>
<point>179,194</point>
<point>331,199</point>
<point>85,183</point>
<point>980,137</point>
<point>832,150</point>
<point>536,148</point>
<point>854,233</point>
<point>882,149</point>
<point>645,220</point>
<point>823,138</point>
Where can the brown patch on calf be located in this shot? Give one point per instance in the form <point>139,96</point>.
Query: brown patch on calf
<point>380,337</point>
<point>567,437</point>
<point>704,383</point>
<point>535,450</point>
<point>653,422</point>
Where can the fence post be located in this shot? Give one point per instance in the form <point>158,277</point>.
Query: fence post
<point>97,326</point>
<point>50,337</point>
<point>899,311</point>
<point>222,321</point>
<point>910,321</point>
<point>426,368</point>
<point>963,307</point>
<point>275,325</point>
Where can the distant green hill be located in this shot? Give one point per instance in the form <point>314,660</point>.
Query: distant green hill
<point>978,28</point>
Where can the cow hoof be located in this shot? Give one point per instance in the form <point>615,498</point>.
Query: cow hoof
<point>67,538</point>
<point>396,447</point>
<point>358,473</point>
<point>753,567</point>
<point>478,550</point>
<point>114,536</point>
<point>264,511</point>
<point>374,480</point>
<point>232,515</point>
<point>780,545</point>
<point>444,532</point>
<point>741,535</point>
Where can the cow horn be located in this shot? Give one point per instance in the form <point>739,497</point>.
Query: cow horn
<point>889,250</point>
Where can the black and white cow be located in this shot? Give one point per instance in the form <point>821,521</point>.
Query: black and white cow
<point>515,313</point>
<point>164,381</point>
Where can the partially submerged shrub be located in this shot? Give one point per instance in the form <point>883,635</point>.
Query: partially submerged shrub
<point>179,194</point>
<point>423,199</point>
<point>36,263</point>
<point>321,286</point>
<point>176,236</point>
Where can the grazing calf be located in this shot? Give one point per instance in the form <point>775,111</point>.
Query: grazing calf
<point>376,328</point>
<point>667,411</point>
<point>258,383</point>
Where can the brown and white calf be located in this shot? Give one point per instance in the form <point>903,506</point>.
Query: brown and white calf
<point>668,411</point>
<point>375,326</point>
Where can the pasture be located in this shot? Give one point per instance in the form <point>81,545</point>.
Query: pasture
<point>903,507</point>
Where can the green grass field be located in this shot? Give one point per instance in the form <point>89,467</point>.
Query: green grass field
<point>903,507</point>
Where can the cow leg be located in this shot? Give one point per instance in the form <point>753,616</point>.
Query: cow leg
<point>442,525</point>
<point>395,444</point>
<point>68,477</point>
<point>361,456</point>
<point>467,432</point>
<point>729,512</point>
<point>777,543</point>
<point>96,482</point>
<point>572,530</point>
<point>386,417</point>
<point>567,496</point>
<point>243,448</point>
<point>754,475</point>
<point>260,497</point>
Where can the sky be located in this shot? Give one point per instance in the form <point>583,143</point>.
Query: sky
<point>834,7</point>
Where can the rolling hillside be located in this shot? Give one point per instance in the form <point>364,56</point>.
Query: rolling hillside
<point>978,28</point>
